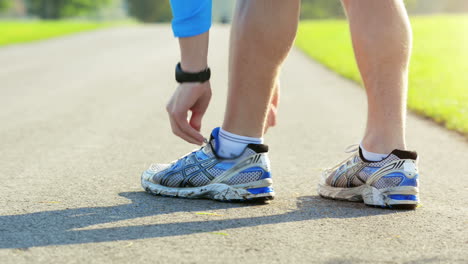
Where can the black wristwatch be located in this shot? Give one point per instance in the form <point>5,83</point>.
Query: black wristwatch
<point>183,77</point>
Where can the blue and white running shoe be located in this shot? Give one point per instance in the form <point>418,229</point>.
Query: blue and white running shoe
<point>203,174</point>
<point>389,183</point>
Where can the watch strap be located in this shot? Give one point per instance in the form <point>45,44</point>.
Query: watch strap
<point>183,77</point>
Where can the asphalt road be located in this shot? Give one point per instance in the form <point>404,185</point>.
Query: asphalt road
<point>82,116</point>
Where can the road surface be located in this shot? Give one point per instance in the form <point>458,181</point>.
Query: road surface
<point>82,116</point>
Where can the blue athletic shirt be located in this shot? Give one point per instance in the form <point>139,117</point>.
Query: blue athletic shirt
<point>190,17</point>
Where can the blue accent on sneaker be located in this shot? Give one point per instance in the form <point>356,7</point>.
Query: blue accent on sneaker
<point>394,174</point>
<point>174,167</point>
<point>266,175</point>
<point>224,165</point>
<point>410,181</point>
<point>201,155</point>
<point>215,135</point>
<point>253,169</point>
<point>260,190</point>
<point>403,197</point>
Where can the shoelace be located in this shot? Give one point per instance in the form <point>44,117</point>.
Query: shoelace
<point>186,156</point>
<point>352,148</point>
<point>348,161</point>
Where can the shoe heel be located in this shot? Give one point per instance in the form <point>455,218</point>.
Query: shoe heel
<point>261,193</point>
<point>400,197</point>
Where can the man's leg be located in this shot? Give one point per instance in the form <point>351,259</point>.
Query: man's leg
<point>382,173</point>
<point>381,36</point>
<point>262,35</point>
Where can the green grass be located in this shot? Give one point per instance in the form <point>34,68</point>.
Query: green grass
<point>12,32</point>
<point>438,85</point>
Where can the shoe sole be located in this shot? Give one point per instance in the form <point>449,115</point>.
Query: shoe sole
<point>399,197</point>
<point>217,191</point>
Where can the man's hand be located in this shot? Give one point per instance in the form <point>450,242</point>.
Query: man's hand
<point>193,97</point>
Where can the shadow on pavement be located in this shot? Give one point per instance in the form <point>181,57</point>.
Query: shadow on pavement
<point>60,227</point>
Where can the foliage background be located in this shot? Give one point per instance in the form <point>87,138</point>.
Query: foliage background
<point>149,11</point>
<point>4,4</point>
<point>438,80</point>
<point>57,9</point>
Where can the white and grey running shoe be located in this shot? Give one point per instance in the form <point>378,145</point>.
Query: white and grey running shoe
<point>389,183</point>
<point>203,174</point>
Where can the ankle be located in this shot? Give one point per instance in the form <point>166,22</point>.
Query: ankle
<point>383,145</point>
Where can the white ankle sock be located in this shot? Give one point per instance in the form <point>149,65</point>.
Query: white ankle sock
<point>232,145</point>
<point>371,156</point>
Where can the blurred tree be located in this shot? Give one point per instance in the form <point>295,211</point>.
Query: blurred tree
<point>438,6</point>
<point>4,4</point>
<point>150,10</point>
<point>56,9</point>
<point>332,8</point>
